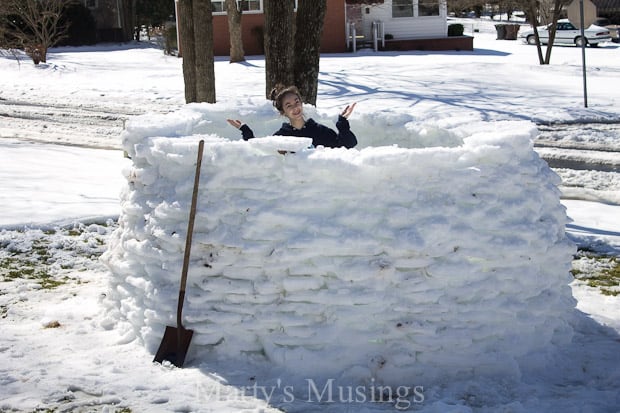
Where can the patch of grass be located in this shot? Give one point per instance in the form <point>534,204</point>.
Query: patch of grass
<point>45,256</point>
<point>604,273</point>
<point>18,267</point>
<point>608,281</point>
<point>49,283</point>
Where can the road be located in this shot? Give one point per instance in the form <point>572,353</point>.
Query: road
<point>580,146</point>
<point>68,124</point>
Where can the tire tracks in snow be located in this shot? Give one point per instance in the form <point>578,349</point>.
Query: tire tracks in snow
<point>580,146</point>
<point>586,156</point>
<point>69,124</point>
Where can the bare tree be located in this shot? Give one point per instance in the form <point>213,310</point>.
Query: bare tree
<point>309,28</point>
<point>531,9</point>
<point>501,7</point>
<point>196,46</point>
<point>558,5</point>
<point>234,30</point>
<point>460,6</point>
<point>35,25</point>
<point>544,12</point>
<point>279,35</point>
<point>546,9</point>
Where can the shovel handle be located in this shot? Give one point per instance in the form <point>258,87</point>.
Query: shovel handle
<point>190,230</point>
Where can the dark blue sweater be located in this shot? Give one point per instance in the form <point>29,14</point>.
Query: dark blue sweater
<point>321,135</point>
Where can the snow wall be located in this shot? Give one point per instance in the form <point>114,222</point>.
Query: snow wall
<point>377,263</point>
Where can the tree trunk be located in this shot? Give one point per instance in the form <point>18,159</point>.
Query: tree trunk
<point>532,12</point>
<point>278,43</point>
<point>186,30</point>
<point>309,28</point>
<point>558,6</point>
<point>43,54</point>
<point>126,18</point>
<point>234,30</point>
<point>203,46</point>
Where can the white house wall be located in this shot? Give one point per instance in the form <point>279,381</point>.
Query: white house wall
<point>405,27</point>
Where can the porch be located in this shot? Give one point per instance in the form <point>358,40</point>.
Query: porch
<point>402,26</point>
<point>457,43</point>
<point>379,41</point>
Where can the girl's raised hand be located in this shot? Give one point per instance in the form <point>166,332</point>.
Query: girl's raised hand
<point>235,122</point>
<point>348,110</point>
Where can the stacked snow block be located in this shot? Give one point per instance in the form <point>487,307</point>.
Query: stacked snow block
<point>382,263</point>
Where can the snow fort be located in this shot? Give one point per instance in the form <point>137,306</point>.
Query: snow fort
<point>377,263</point>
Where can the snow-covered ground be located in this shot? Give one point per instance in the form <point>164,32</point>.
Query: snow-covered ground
<point>61,351</point>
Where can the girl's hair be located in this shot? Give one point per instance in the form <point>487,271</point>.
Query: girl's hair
<point>277,95</point>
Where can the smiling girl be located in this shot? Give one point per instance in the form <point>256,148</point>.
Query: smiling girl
<point>289,103</point>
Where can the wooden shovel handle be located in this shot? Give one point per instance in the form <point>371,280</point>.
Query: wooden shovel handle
<point>190,230</point>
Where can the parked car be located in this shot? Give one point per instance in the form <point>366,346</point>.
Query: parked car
<point>566,33</point>
<point>614,29</point>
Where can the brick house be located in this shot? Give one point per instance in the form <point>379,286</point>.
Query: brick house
<point>406,24</point>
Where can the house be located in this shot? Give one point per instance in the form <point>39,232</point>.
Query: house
<point>396,25</point>
<point>252,24</point>
<point>405,24</point>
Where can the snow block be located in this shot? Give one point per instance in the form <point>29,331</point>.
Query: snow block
<point>380,263</point>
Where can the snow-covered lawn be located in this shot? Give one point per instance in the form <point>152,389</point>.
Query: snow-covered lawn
<point>60,350</point>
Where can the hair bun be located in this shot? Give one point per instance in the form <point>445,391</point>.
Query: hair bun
<point>273,95</point>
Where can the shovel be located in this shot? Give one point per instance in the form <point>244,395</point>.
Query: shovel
<point>176,340</point>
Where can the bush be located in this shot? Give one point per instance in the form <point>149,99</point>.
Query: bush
<point>455,29</point>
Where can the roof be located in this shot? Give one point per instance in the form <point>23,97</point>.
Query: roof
<point>607,5</point>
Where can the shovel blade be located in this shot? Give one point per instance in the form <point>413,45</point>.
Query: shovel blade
<point>174,345</point>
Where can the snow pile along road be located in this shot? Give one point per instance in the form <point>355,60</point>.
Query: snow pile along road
<point>379,264</point>
<point>52,184</point>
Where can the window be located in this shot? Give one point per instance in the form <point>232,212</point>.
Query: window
<point>565,26</point>
<point>417,8</point>
<point>219,6</point>
<point>428,8</point>
<point>402,8</point>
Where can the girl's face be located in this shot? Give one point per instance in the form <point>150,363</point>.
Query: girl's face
<point>292,107</point>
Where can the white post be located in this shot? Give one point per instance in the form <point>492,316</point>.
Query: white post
<point>354,38</point>
<point>375,45</point>
<point>178,29</point>
<point>583,54</point>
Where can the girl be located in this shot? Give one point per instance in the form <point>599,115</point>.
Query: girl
<point>289,103</point>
